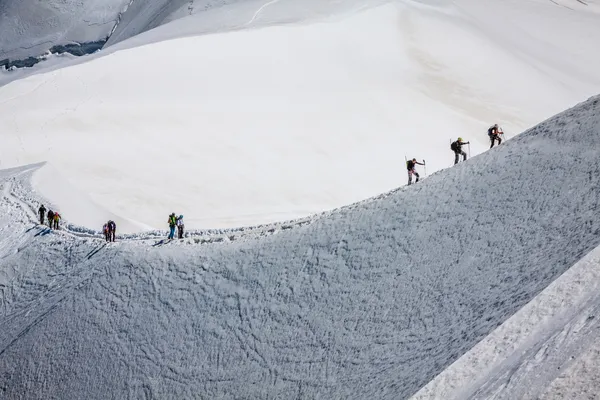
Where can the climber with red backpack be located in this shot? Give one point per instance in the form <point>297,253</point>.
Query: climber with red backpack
<point>106,232</point>
<point>56,220</point>
<point>494,133</point>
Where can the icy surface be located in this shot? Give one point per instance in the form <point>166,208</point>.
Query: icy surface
<point>29,28</point>
<point>369,301</point>
<point>262,125</point>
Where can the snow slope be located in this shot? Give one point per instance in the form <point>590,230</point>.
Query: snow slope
<point>30,28</point>
<point>549,349</point>
<point>254,126</point>
<point>66,197</point>
<point>372,300</point>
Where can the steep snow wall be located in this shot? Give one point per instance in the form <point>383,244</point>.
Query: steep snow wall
<point>372,300</point>
<point>29,28</point>
<point>143,15</point>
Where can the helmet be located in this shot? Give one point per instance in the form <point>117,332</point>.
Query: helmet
<point>181,217</point>
<point>460,139</point>
<point>414,159</point>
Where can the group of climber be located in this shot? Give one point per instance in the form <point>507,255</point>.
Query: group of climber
<point>53,217</point>
<point>110,231</point>
<point>175,222</point>
<point>110,228</point>
<point>494,133</point>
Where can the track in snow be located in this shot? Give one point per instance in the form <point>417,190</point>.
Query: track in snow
<point>370,301</point>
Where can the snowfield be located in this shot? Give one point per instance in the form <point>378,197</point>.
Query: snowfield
<point>242,126</point>
<point>373,300</point>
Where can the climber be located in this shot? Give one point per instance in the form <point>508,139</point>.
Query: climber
<point>494,133</point>
<point>456,147</point>
<point>172,224</point>
<point>180,227</point>
<point>42,212</point>
<point>410,166</point>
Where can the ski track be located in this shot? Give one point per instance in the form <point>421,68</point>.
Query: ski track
<point>370,300</point>
<point>260,10</point>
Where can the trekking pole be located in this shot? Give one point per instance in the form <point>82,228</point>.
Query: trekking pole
<point>425,167</point>
<point>406,165</point>
<point>469,149</point>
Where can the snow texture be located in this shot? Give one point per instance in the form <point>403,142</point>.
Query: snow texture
<point>548,349</point>
<point>371,300</point>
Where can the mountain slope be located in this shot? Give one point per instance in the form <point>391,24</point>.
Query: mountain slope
<point>262,125</point>
<point>373,300</point>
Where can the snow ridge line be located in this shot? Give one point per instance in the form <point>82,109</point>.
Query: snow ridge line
<point>257,13</point>
<point>193,237</point>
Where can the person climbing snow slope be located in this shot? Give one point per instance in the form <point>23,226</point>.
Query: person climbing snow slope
<point>105,231</point>
<point>180,227</point>
<point>56,220</point>
<point>172,224</point>
<point>456,147</point>
<point>50,216</point>
<point>410,166</point>
<point>494,133</point>
<point>42,213</point>
<point>112,231</point>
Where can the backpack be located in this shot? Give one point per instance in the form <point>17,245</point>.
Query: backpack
<point>454,146</point>
<point>410,165</point>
